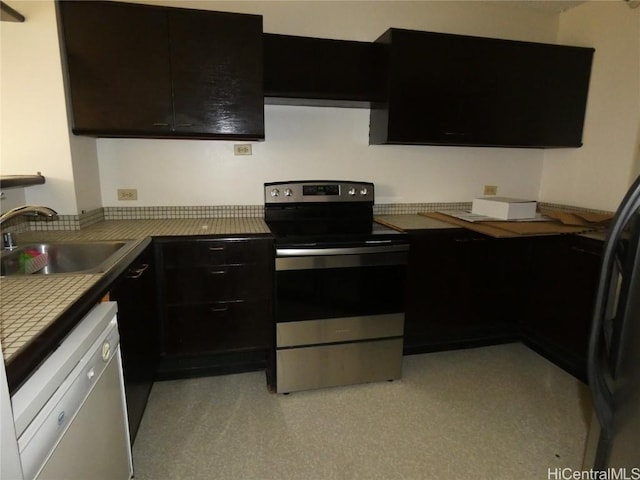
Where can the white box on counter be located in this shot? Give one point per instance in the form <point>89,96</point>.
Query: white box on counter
<point>504,208</point>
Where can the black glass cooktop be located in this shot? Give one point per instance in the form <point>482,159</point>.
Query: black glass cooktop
<point>325,238</point>
<point>324,214</point>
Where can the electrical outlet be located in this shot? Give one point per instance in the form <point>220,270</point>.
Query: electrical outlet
<point>242,149</point>
<point>490,189</point>
<point>127,194</point>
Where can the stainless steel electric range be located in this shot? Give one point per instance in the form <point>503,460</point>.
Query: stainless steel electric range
<point>339,286</point>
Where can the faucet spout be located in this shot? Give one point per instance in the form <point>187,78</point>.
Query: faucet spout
<point>28,210</point>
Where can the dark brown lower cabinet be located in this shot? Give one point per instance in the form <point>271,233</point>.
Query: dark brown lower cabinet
<point>563,282</point>
<point>216,298</point>
<point>465,289</point>
<point>216,327</point>
<point>135,292</point>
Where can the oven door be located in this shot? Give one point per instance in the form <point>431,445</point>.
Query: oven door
<point>340,315</point>
<point>339,282</point>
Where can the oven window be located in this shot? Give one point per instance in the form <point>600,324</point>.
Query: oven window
<point>339,292</point>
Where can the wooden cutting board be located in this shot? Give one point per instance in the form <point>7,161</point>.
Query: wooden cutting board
<point>508,229</point>
<point>408,222</point>
<point>578,219</point>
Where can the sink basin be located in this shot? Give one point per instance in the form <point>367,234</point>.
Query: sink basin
<point>62,257</point>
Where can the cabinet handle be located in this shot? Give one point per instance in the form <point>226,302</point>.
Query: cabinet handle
<point>184,125</point>
<point>467,240</point>
<point>217,272</point>
<point>159,124</point>
<point>138,272</point>
<point>219,309</point>
<point>582,250</point>
<point>216,249</point>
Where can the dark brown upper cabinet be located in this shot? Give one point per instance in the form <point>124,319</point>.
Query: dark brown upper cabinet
<point>444,89</point>
<point>319,71</point>
<point>153,72</point>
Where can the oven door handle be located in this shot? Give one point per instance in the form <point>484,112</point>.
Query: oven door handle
<point>326,261</point>
<point>315,252</point>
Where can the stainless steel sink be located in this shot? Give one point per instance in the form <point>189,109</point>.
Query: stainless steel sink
<point>62,257</point>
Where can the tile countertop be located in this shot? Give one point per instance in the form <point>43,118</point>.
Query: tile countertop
<point>138,229</point>
<point>28,305</point>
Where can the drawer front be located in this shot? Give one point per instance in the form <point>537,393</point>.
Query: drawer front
<point>218,252</point>
<point>218,327</point>
<point>218,283</point>
<point>334,330</point>
<point>341,364</point>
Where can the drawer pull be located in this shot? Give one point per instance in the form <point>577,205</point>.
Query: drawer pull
<point>217,272</point>
<point>137,272</point>
<point>583,250</point>
<point>468,240</point>
<point>216,249</point>
<point>219,309</point>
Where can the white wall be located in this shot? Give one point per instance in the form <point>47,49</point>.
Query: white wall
<point>309,143</point>
<point>317,142</point>
<point>598,174</point>
<point>11,198</point>
<point>367,20</point>
<point>34,129</point>
<point>86,175</point>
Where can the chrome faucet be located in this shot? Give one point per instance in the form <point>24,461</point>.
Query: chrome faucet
<point>28,210</point>
<point>8,240</point>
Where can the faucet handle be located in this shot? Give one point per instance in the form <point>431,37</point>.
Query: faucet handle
<point>8,241</point>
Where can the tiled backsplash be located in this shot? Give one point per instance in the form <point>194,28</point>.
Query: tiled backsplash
<point>165,213</point>
<point>569,208</point>
<point>77,222</point>
<point>409,208</point>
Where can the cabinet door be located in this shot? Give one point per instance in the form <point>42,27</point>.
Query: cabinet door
<point>462,288</point>
<point>446,89</point>
<point>564,277</point>
<point>138,323</point>
<point>148,71</point>
<point>318,71</point>
<point>217,327</point>
<point>216,62</point>
<point>216,252</point>
<point>219,283</point>
<point>119,72</point>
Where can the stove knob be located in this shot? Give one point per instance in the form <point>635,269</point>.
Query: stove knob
<point>275,192</point>
<point>364,191</point>
<point>288,192</point>
<point>352,191</point>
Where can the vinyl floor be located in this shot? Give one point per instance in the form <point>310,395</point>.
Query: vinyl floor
<point>499,412</point>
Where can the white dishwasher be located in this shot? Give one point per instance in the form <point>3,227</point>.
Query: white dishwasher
<point>70,415</point>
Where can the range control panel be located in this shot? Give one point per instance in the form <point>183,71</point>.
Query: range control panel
<point>321,191</point>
